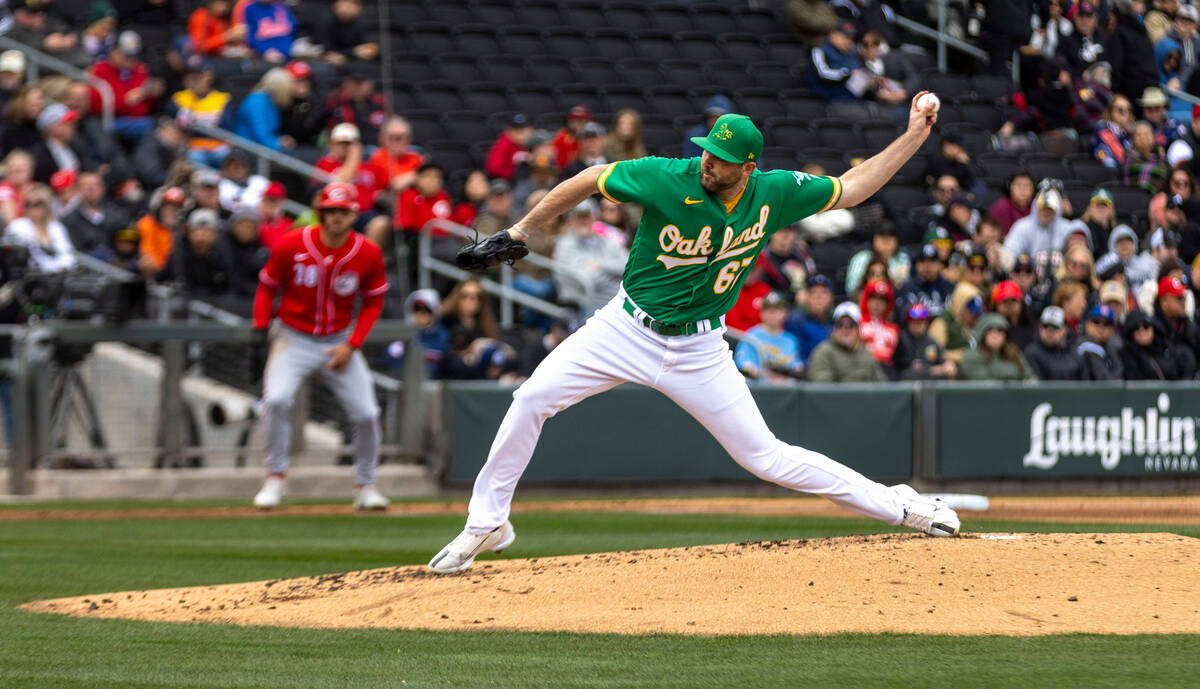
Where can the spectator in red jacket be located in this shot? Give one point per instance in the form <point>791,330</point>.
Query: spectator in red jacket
<point>509,148</point>
<point>212,31</point>
<point>135,91</point>
<point>566,146</point>
<point>425,200</point>
<point>273,223</point>
<point>877,331</point>
<point>344,162</point>
<point>394,161</point>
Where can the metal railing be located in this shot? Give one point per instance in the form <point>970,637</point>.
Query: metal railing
<point>264,154</point>
<point>508,295</point>
<point>943,39</point>
<point>35,58</point>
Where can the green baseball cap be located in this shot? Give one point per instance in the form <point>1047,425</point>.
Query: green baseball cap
<point>734,139</point>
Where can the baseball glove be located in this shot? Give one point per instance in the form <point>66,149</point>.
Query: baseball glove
<point>496,249</point>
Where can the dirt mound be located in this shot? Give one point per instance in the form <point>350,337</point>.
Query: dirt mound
<point>1015,584</point>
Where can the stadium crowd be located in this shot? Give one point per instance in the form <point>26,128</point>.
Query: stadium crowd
<point>989,271</point>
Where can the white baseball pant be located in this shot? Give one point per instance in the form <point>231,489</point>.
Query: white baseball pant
<point>698,374</point>
<point>295,356</point>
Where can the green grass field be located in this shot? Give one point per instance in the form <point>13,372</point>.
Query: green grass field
<point>44,559</point>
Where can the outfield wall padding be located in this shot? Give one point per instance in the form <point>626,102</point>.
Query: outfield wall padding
<point>633,433</point>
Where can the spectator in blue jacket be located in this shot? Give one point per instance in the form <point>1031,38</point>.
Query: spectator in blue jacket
<point>270,30</point>
<point>260,116</point>
<point>768,353</point>
<point>715,107</point>
<point>812,322</point>
<point>835,66</point>
<point>422,310</point>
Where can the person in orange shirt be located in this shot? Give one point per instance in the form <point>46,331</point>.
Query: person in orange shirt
<point>394,160</point>
<point>213,32</point>
<point>157,227</point>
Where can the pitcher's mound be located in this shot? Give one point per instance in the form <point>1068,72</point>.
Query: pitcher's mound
<point>1017,584</point>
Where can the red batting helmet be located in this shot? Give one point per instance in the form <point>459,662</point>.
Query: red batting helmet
<point>338,195</point>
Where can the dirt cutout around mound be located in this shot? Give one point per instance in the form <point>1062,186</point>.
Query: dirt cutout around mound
<point>1011,584</point>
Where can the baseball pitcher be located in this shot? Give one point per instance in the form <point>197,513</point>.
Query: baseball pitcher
<point>321,270</point>
<point>704,223</point>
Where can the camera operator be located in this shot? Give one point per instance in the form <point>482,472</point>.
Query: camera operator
<point>50,248</point>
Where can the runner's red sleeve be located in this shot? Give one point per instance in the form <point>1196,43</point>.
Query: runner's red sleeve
<point>264,303</point>
<point>372,306</point>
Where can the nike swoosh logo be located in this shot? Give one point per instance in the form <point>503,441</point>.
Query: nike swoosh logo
<point>691,201</point>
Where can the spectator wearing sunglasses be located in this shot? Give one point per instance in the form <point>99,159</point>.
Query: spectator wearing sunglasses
<point>843,358</point>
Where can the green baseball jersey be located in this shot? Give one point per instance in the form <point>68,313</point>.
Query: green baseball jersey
<point>689,257</point>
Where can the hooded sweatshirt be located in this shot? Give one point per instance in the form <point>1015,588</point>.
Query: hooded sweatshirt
<point>1138,269</point>
<point>1161,360</point>
<point>434,340</point>
<point>1029,236</point>
<point>1177,109</point>
<point>976,365</point>
<point>879,335</point>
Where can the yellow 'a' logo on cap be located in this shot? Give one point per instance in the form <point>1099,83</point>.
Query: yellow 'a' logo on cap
<point>723,133</point>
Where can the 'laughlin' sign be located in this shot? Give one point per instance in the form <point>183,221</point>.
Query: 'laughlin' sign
<point>1163,442</point>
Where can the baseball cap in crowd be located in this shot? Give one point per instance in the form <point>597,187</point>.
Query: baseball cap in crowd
<point>579,112</point>
<point>1153,97</point>
<point>846,28</point>
<point>203,217</point>
<point>1087,8</point>
<point>820,281</point>
<point>1163,238</point>
<point>53,114</point>
<point>345,132</point>
<point>977,259</point>
<point>1054,317</point>
<point>584,207</point>
<point>519,120</point>
<point>1051,199</point>
<point>299,70</point>
<point>928,252</point>
<point>937,236</point>
<point>12,61</point>
<point>128,234</point>
<point>1112,290</point>
<point>918,312</point>
<point>1101,195</point>
<point>959,199</point>
<point>499,187</point>
<point>847,309</point>
<point>1102,312</point>
<point>63,179</point>
<point>590,130</point>
<point>1179,152</point>
<point>885,228</point>
<point>244,213</point>
<point>358,71</point>
<point>129,42</point>
<point>1006,290</point>
<point>1023,264</point>
<point>275,190</point>
<point>734,139</point>
<point>206,178</point>
<point>773,301</point>
<point>1170,287</point>
<point>174,195</point>
<point>1187,12</point>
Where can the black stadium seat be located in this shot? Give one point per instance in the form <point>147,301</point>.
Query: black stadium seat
<point>756,21</point>
<point>612,43</point>
<point>1044,165</point>
<point>430,37</point>
<point>438,95</point>
<point>532,97</point>
<point>410,66</point>
<point>877,135</point>
<point>450,12</point>
<point>728,74</point>
<point>468,125</point>
<point>567,41</point>
<point>570,94</point>
<point>1086,168</point>
<point>744,47</point>
<point>668,100</point>
<point>426,125</point>
<point>683,72</point>
<point>457,67</point>
<point>585,13</point>
<point>538,12</point>
<point>792,132</point>
<point>620,96</point>
<point>639,71</point>
<point>783,47</point>
<point>503,68</point>
<point>697,45</point>
<point>779,158</point>
<point>669,16</point>
<point>838,134</point>
<point>632,16</point>
<point>476,39</point>
<point>655,44</point>
<point>523,40</point>
<point>713,18</point>
<point>999,166</point>
<point>772,75</point>
<point>549,69</point>
<point>805,108</point>
<point>759,103</point>
<point>595,70</point>
<point>486,96</point>
<point>658,131</point>
<point>450,154</point>
<point>499,13</point>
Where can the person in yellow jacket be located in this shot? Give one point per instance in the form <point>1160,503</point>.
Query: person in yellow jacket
<point>199,103</point>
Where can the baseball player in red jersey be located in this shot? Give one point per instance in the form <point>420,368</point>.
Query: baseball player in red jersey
<point>321,270</point>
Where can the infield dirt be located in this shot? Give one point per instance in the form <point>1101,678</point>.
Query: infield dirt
<point>1012,584</point>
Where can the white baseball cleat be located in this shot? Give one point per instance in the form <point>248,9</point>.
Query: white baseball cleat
<point>928,515</point>
<point>369,498</point>
<point>272,491</point>
<point>460,553</point>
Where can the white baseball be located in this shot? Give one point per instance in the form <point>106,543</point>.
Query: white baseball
<point>929,103</point>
